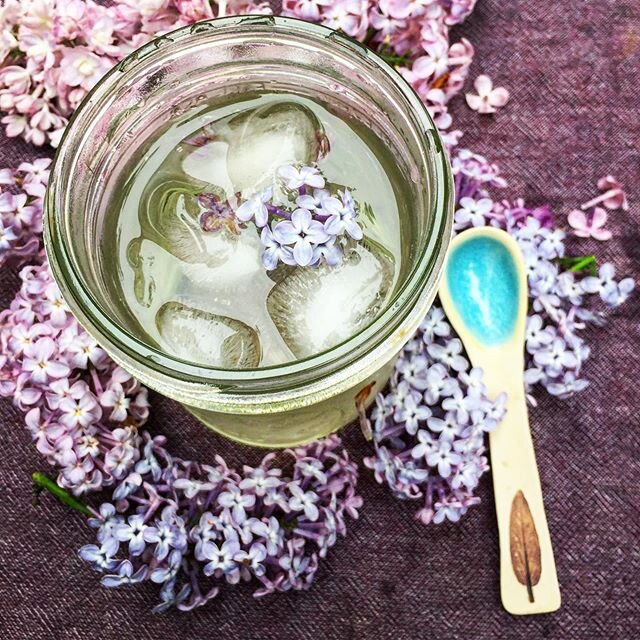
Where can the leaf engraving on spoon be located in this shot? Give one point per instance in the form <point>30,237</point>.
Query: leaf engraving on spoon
<point>524,543</point>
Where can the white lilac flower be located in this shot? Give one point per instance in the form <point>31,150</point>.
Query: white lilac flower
<point>449,354</point>
<point>260,480</point>
<point>271,532</point>
<point>166,533</point>
<point>255,208</point>
<point>472,212</point>
<point>434,325</point>
<point>451,511</point>
<point>567,385</point>
<point>439,384</point>
<point>462,404</point>
<point>555,356</point>
<point>411,413</point>
<point>312,469</point>
<point>191,487</point>
<point>237,501</point>
<point>221,560</point>
<point>443,457</point>
<point>316,201</point>
<point>305,176</point>
<point>303,232</point>
<point>253,558</point>
<point>132,532</point>
<point>303,501</point>
<point>274,251</point>
<point>448,427</point>
<point>427,444</point>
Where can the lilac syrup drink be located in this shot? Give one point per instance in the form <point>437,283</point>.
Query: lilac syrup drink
<point>193,272</point>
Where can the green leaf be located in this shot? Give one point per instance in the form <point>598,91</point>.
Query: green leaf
<point>43,482</point>
<point>584,264</point>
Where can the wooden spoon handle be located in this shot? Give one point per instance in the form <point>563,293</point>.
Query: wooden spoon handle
<point>528,580</point>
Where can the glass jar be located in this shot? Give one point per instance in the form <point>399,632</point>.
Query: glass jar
<point>280,405</point>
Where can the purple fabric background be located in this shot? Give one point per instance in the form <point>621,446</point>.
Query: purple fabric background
<point>573,70</point>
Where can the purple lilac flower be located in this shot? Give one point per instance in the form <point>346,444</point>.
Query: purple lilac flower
<point>303,233</point>
<point>429,428</point>
<point>301,222</point>
<point>240,532</point>
<point>57,375</point>
<point>21,194</point>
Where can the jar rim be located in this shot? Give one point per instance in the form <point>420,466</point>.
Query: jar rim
<point>423,276</point>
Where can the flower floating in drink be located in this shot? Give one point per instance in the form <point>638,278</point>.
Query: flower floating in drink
<point>302,222</point>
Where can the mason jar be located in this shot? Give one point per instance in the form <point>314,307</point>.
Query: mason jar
<point>298,401</point>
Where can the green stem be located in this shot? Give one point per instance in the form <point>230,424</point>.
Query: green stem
<point>579,263</point>
<point>395,60</point>
<point>369,37</point>
<point>43,482</point>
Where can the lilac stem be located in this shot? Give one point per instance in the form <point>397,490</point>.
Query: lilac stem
<point>276,211</point>
<point>612,193</point>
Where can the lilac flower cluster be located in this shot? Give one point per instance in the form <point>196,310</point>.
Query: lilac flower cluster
<point>190,527</point>
<point>52,52</point>
<point>21,201</point>
<point>560,295</point>
<point>429,429</point>
<point>301,221</point>
<point>140,20</point>
<point>82,410</point>
<point>412,34</point>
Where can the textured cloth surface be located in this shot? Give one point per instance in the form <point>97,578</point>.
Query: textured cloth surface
<point>573,70</point>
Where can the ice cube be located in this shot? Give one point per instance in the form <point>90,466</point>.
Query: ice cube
<point>315,309</point>
<point>208,163</point>
<point>169,216</point>
<point>143,261</point>
<point>206,338</point>
<point>263,139</point>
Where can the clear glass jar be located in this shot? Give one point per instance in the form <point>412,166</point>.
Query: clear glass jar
<point>280,405</point>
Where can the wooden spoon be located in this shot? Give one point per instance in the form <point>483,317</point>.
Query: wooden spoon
<point>484,294</point>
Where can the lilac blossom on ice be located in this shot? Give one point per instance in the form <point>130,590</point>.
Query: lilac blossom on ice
<point>301,221</point>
